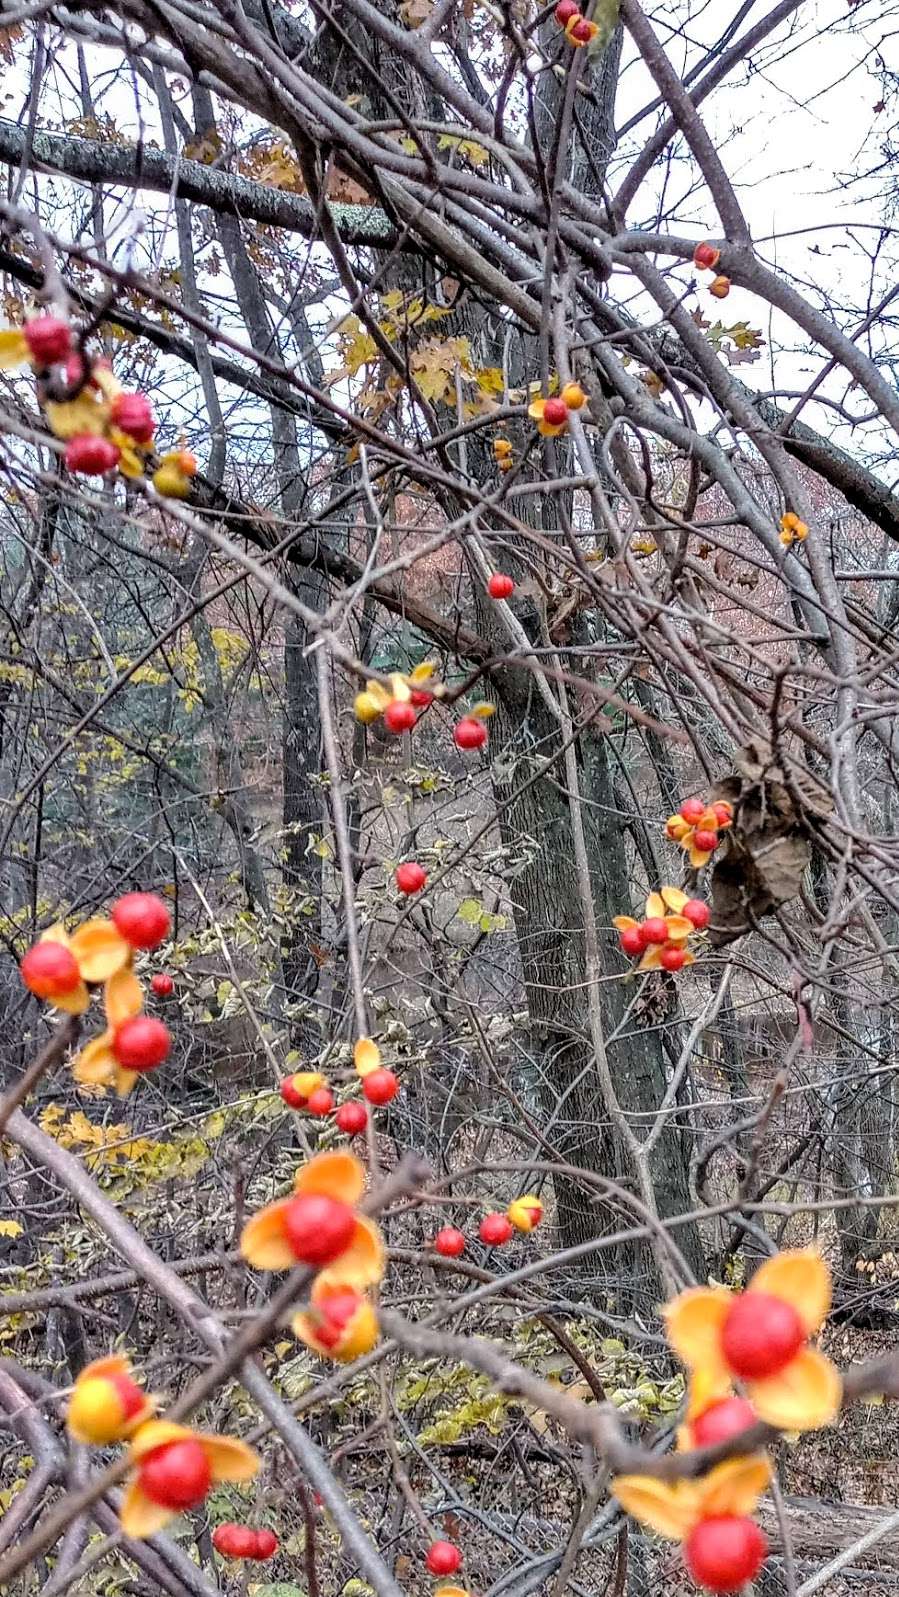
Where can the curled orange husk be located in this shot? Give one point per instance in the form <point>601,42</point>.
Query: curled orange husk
<point>674,1508</point>
<point>359,1335</point>
<point>263,1240</point>
<point>366,708</point>
<point>570,27</point>
<point>366,1056</point>
<point>336,1174</point>
<point>100,950</point>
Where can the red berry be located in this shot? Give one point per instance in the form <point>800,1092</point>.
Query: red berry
<point>352,1118</point>
<point>162,984</point>
<point>697,911</point>
<point>379,1086</point>
<point>631,940</point>
<point>410,878</point>
<point>722,1420</point>
<point>725,1553</point>
<point>133,413</point>
<point>443,1558</point>
<point>49,970</point>
<point>500,587</point>
<point>399,716</point>
<point>141,1043</point>
<point>761,1334</point>
<point>321,1101</point>
<point>705,256</point>
<point>318,1228</point>
<point>582,31</point>
<point>469,733</point>
<point>142,919</point>
<point>177,1475</point>
<point>706,840</point>
<point>75,370</point>
<point>421,698</point>
<point>653,930</point>
<point>565,10</point>
<point>289,1093</point>
<point>234,1541</point>
<point>334,1313</point>
<point>692,810</point>
<point>449,1242</point>
<point>130,1395</point>
<point>555,411</point>
<point>266,1544</point>
<point>90,455</point>
<point>49,339</point>
<point>673,958</point>
<point>724,812</point>
<point>494,1230</point>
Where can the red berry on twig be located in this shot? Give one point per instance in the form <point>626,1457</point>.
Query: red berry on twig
<point>469,733</point>
<point>725,1552</point>
<point>399,716</point>
<point>379,1086</point>
<point>494,1230</point>
<point>49,970</point>
<point>142,919</point>
<point>352,1118</point>
<point>49,339</point>
<point>410,878</point>
<point>761,1334</point>
<point>318,1228</point>
<point>449,1242</point>
<point>141,1043</point>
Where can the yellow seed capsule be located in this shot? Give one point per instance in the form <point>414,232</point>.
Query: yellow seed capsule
<point>365,708</point>
<point>366,1056</point>
<point>574,396</point>
<point>720,287</point>
<point>106,1405</point>
<point>171,483</point>
<point>525,1213</point>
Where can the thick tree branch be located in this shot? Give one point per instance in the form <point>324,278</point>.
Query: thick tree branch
<point>126,166</point>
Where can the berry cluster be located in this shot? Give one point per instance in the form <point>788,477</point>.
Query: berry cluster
<point>308,1090</point>
<point>399,707</point>
<point>792,530</point>
<point>552,415</point>
<point>102,426</point>
<point>502,453</point>
<point>696,827</point>
<point>578,31</point>
<point>660,940</point>
<point>242,1541</point>
<point>706,258</point>
<point>760,1337</point>
<point>320,1227</point>
<point>174,1468</point>
<point>65,970</point>
<point>523,1214</point>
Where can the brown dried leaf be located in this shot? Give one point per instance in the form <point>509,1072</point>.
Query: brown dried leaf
<point>766,851</point>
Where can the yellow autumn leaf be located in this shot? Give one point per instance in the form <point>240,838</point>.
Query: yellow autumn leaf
<point>10,1228</point>
<point>469,149</point>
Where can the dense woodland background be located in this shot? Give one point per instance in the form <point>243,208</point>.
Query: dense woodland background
<point>340,246</point>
